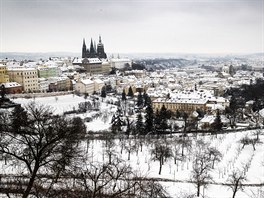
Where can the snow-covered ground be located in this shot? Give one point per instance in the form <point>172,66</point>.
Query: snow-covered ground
<point>232,160</point>
<point>234,157</point>
<point>61,104</point>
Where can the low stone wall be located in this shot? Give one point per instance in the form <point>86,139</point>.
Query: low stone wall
<point>32,95</point>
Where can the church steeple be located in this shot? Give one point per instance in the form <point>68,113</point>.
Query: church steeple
<point>95,50</point>
<point>100,49</point>
<point>84,49</point>
<point>95,47</point>
<point>92,51</point>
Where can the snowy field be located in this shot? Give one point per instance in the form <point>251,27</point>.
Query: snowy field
<point>61,104</point>
<point>178,174</point>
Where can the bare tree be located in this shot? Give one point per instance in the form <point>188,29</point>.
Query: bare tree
<point>246,141</point>
<point>46,141</point>
<point>236,179</point>
<point>215,155</point>
<point>161,152</point>
<point>116,180</point>
<point>101,179</point>
<point>109,145</point>
<point>130,146</point>
<point>176,150</point>
<point>202,167</point>
<point>257,133</point>
<point>185,142</point>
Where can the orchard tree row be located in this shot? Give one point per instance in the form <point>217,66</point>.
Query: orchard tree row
<point>47,157</point>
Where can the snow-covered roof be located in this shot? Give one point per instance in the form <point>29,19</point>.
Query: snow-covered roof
<point>215,106</point>
<point>94,60</point>
<point>120,60</point>
<point>30,64</point>
<point>20,69</point>
<point>98,81</point>
<point>210,119</point>
<point>187,101</point>
<point>218,99</point>
<point>46,67</point>
<point>77,60</point>
<point>87,81</point>
<point>56,79</point>
<point>11,84</point>
<point>192,94</point>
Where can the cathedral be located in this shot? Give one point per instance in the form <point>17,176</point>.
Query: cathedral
<point>94,51</point>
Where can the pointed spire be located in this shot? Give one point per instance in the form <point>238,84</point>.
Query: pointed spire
<point>94,46</point>
<point>92,52</point>
<point>100,40</point>
<point>84,45</point>
<point>91,42</point>
<point>84,54</point>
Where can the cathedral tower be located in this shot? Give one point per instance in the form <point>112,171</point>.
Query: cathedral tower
<point>100,49</point>
<point>92,50</point>
<point>95,51</point>
<point>84,49</point>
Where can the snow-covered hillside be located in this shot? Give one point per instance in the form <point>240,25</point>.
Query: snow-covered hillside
<point>176,175</point>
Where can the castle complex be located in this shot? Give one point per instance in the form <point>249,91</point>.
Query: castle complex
<point>94,51</point>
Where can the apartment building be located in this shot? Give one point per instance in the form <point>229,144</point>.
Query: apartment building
<point>182,105</point>
<point>47,71</point>
<point>12,87</point>
<point>60,84</point>
<point>27,77</point>
<point>4,78</point>
<point>85,86</point>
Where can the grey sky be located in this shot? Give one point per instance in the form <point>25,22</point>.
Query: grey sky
<point>180,26</point>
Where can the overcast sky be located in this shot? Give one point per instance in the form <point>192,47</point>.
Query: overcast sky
<point>127,26</point>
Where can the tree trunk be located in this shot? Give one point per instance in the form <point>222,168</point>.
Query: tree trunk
<point>182,149</point>
<point>198,190</point>
<point>235,190</point>
<point>110,160</point>
<point>253,144</point>
<point>55,180</point>
<point>160,160</point>
<point>234,194</point>
<point>31,181</point>
<point>95,190</point>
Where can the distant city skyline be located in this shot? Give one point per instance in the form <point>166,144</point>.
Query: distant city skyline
<point>133,26</point>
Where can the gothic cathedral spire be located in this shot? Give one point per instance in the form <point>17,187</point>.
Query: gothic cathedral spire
<point>100,49</point>
<point>92,52</point>
<point>96,51</point>
<point>95,47</point>
<point>84,49</point>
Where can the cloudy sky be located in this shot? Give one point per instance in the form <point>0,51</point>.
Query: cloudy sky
<point>127,26</point>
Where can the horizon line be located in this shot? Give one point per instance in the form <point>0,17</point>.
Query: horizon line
<point>222,53</point>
